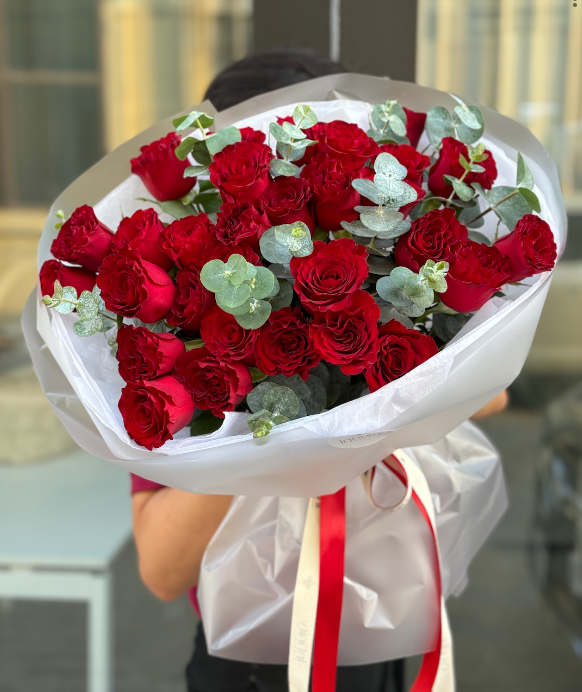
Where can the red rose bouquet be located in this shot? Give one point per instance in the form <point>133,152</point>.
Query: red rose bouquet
<point>342,256</point>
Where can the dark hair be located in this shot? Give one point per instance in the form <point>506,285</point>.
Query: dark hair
<point>263,72</point>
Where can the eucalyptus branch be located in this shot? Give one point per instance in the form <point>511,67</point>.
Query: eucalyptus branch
<point>504,199</point>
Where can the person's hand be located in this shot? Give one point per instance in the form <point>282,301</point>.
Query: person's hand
<point>494,406</point>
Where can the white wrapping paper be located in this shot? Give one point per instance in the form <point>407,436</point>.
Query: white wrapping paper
<point>319,454</point>
<point>390,605</point>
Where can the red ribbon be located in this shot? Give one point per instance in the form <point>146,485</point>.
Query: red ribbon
<point>331,581</point>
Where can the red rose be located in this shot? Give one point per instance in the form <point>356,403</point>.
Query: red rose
<point>334,198</point>
<point>476,273</point>
<point>247,134</point>
<point>53,270</point>
<point>153,411</point>
<point>346,142</point>
<point>286,200</point>
<point>401,350</point>
<point>217,385</point>
<point>142,232</point>
<point>327,278</point>
<point>241,171</point>
<point>192,301</point>
<point>133,287</point>
<point>143,355</point>
<point>412,160</point>
<point>241,221</point>
<point>224,336</point>
<point>184,240</point>
<point>530,247</point>
<point>83,240</point>
<point>218,250</point>
<point>448,164</point>
<point>435,236</point>
<point>348,337</point>
<point>161,171</point>
<point>414,125</point>
<point>284,346</point>
<point>311,133</point>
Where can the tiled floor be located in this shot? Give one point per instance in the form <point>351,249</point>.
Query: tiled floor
<point>506,637</point>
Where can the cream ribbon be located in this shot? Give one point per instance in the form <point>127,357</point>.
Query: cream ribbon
<point>305,603</point>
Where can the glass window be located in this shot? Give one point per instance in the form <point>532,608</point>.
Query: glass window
<point>522,57</point>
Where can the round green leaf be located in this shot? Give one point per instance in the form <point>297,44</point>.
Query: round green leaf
<point>257,315</point>
<point>256,396</point>
<point>88,307</point>
<point>214,277</point>
<point>304,116</point>
<point>272,250</point>
<point>263,283</point>
<point>284,297</point>
<point>439,125</point>
<point>234,296</point>
<point>282,401</point>
<point>236,269</point>
<point>284,167</point>
<point>88,328</point>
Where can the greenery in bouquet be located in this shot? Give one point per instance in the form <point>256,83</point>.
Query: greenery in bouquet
<point>299,270</point>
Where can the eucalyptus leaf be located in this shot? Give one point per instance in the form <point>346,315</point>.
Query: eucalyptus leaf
<point>64,308</point>
<point>369,190</point>
<point>282,401</point>
<point>256,396</point>
<point>234,296</point>
<point>221,139</point>
<point>236,269</point>
<point>304,116</point>
<point>467,117</point>
<point>281,271</point>
<point>201,153</point>
<point>279,133</point>
<point>209,201</point>
<point>429,204</point>
<point>469,135</point>
<point>531,198</point>
<point>439,125</point>
<point>317,400</point>
<point>400,276</point>
<point>284,297</point>
<point>524,175</point>
<point>193,343</point>
<point>381,219</point>
<point>88,307</point>
<point>357,228</point>
<point>397,126</point>
<point>261,423</point>
<point>89,327</point>
<point>272,250</point>
<point>257,375</point>
<point>258,314</point>
<point>284,167</point>
<point>293,131</point>
<point>205,424</point>
<point>477,237</point>
<point>463,191</point>
<point>185,147</point>
<point>58,290</point>
<point>295,383</point>
<point>275,288</point>
<point>263,283</point>
<point>389,167</point>
<point>176,209</point>
<point>194,171</point>
<point>189,120</point>
<point>214,277</point>
<point>513,209</point>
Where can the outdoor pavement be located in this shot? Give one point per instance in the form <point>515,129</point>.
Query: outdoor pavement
<point>506,638</point>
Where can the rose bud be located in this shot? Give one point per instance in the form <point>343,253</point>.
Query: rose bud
<point>311,133</point>
<point>284,346</point>
<point>218,250</point>
<point>161,171</point>
<point>154,411</point>
<point>53,270</point>
<point>434,236</point>
<point>184,240</point>
<point>143,355</point>
<point>142,232</point>
<point>192,301</point>
<point>241,171</point>
<point>216,385</point>
<point>83,239</point>
<point>348,337</point>
<point>247,134</point>
<point>286,200</point>
<point>448,164</point>
<point>334,198</point>
<point>475,274</point>
<point>241,221</point>
<point>414,125</point>
<point>401,350</point>
<point>530,247</point>
<point>348,143</point>
<point>133,287</point>
<point>224,336</point>
<point>327,278</point>
<point>412,160</point>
